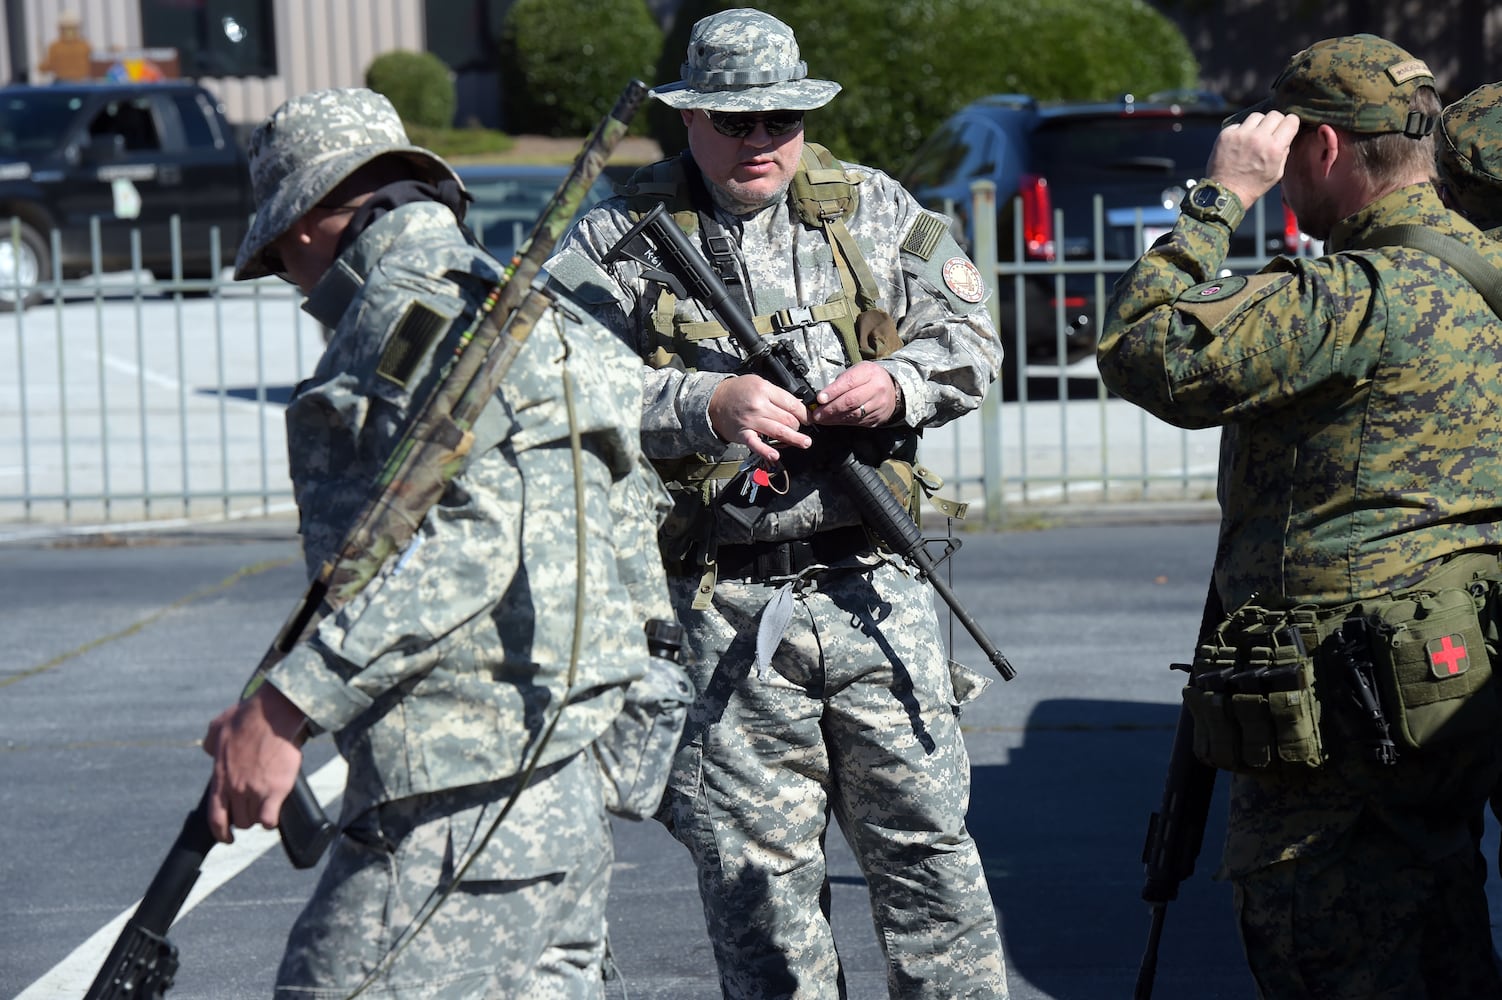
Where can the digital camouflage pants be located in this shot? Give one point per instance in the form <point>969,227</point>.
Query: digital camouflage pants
<point>527,919</point>
<point>859,718</point>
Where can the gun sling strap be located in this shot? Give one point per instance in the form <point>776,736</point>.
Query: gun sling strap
<point>1471,265</point>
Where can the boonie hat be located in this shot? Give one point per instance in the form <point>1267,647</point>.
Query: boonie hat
<point>1361,83</point>
<point>744,60</point>
<point>306,148</point>
<point>1469,154</point>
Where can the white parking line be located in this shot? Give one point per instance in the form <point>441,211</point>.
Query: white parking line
<point>71,978</point>
<point>134,370</point>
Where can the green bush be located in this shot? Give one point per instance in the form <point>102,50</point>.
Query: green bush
<point>905,67</point>
<point>564,62</point>
<point>455,144</point>
<point>418,84</point>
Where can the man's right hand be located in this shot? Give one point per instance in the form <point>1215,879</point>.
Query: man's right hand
<point>256,746</point>
<point>1249,156</point>
<point>749,410</point>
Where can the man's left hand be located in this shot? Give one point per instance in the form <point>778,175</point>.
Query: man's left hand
<point>864,395</point>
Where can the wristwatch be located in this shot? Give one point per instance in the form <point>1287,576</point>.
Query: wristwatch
<point>1210,201</point>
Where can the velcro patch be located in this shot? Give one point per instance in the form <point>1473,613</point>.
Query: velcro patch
<point>1214,291</point>
<point>964,280</point>
<point>409,343</point>
<point>1447,655</point>
<point>1404,71</point>
<point>924,236</point>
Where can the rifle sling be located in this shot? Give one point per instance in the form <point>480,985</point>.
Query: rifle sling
<point>1471,265</point>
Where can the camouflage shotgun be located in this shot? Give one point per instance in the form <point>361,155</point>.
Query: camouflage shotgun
<point>429,454</point>
<point>684,269</point>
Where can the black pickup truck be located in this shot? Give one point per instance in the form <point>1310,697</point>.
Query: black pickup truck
<point>134,156</point>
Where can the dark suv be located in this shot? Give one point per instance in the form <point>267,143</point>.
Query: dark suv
<point>1050,160</point>
<point>131,156</point>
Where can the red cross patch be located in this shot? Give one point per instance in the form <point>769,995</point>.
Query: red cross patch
<point>1447,656</point>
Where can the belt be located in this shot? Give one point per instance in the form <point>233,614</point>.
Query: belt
<point>761,560</point>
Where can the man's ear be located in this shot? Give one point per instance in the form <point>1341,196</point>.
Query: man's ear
<point>687,114</point>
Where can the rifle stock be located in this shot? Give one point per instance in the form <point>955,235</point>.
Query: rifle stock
<point>430,452</point>
<point>685,269</point>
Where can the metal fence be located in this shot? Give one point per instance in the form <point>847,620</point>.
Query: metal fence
<point>133,397</point>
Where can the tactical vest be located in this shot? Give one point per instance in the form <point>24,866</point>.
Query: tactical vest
<point>823,196</point>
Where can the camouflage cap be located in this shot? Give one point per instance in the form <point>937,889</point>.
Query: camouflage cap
<point>306,148</point>
<point>1360,83</point>
<point>745,60</point>
<point>1469,154</point>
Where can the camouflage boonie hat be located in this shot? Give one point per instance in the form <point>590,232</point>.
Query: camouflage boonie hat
<point>745,60</point>
<point>306,148</point>
<point>1360,83</point>
<point>1469,154</point>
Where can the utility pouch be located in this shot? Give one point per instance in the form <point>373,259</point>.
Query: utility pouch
<point>636,753</point>
<point>1251,694</point>
<point>1432,666</point>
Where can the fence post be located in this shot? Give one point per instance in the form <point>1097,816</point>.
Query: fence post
<point>983,211</point>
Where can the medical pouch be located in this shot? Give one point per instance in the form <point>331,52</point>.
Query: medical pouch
<point>1432,667</point>
<point>1251,694</point>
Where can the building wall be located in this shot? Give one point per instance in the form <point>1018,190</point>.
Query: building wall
<point>319,43</point>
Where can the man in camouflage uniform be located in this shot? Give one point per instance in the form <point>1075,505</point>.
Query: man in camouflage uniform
<point>440,679</point>
<point>822,683</point>
<point>1361,456</point>
<point>1469,157</point>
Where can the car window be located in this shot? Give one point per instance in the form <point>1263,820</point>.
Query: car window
<point>959,151</point>
<point>1165,146</point>
<point>34,124</point>
<point>197,131</point>
<point>131,121</point>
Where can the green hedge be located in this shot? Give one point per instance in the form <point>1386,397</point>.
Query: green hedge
<point>418,84</point>
<point>905,67</point>
<point>564,62</point>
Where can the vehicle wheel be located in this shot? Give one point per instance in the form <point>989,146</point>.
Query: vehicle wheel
<point>24,265</point>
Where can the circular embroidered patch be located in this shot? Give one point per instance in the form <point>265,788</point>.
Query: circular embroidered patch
<point>964,280</point>
<point>1214,291</point>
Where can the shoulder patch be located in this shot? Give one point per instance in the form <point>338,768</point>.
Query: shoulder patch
<point>409,343</point>
<point>924,236</point>
<point>1213,291</point>
<point>964,279</point>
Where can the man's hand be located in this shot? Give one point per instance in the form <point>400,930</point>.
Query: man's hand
<point>256,746</point>
<point>749,410</point>
<point>1249,156</point>
<point>863,395</point>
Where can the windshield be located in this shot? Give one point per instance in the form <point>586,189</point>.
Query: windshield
<point>33,124</point>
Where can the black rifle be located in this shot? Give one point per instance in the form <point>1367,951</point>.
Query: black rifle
<point>688,274</point>
<point>432,449</point>
<point>1353,654</point>
<point>1176,831</point>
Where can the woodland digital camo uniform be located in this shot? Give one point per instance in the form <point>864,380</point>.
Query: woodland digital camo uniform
<point>1362,448</point>
<point>1468,156</point>
<point>859,712</point>
<point>440,678</point>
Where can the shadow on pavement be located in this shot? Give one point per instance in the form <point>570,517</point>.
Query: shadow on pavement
<point>1060,829</point>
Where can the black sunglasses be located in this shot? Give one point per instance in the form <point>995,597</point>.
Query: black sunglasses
<point>738,124</point>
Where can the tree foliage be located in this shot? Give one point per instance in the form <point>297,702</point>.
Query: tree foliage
<point>418,85</point>
<point>564,62</point>
<point>906,66</point>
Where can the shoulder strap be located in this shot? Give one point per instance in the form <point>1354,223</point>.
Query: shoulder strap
<point>1472,266</point>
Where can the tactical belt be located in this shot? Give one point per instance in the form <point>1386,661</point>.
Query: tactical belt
<point>766,560</point>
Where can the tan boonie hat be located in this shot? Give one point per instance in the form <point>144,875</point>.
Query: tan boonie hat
<point>1468,154</point>
<point>744,60</point>
<point>1360,83</point>
<point>306,148</point>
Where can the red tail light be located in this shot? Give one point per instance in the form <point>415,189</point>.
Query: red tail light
<point>1294,239</point>
<point>1037,218</point>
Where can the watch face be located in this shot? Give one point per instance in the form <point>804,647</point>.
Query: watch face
<point>1205,196</point>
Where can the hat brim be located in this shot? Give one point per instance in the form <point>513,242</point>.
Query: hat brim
<point>307,186</point>
<point>1264,106</point>
<point>794,95</point>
